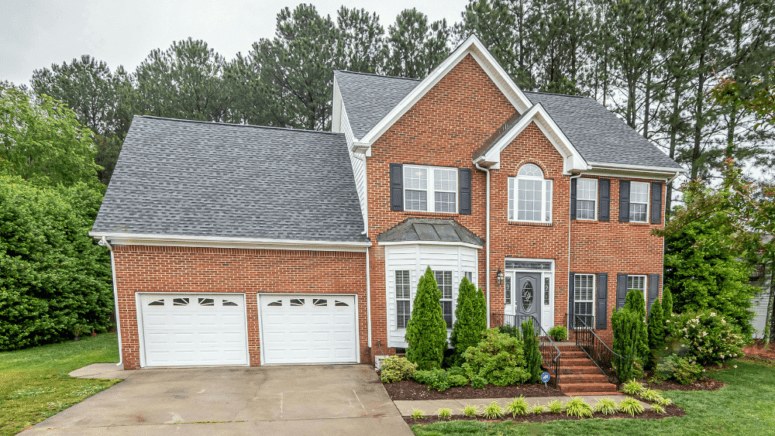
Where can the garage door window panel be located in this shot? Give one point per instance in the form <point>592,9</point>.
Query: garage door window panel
<point>180,301</point>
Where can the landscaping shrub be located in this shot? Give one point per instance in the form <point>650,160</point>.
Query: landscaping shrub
<point>626,328</point>
<point>681,369</point>
<point>417,413</point>
<point>558,333</point>
<point>606,406</point>
<point>510,330</point>
<point>470,320</point>
<point>667,303</point>
<point>556,406</point>
<point>711,337</point>
<point>651,395</point>
<point>471,411</point>
<point>53,276</point>
<point>439,379</point>
<point>498,358</point>
<point>493,411</point>
<point>532,351</point>
<point>518,406</point>
<point>578,407</point>
<point>396,368</point>
<point>538,409</point>
<point>478,382</point>
<point>631,406</point>
<point>635,303</point>
<point>658,409</point>
<point>444,413</point>
<point>633,387</point>
<point>426,331</point>
<point>656,332</point>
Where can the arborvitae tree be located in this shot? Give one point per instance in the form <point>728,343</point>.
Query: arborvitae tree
<point>667,303</point>
<point>467,331</point>
<point>426,331</point>
<point>627,327</point>
<point>481,310</point>
<point>532,351</point>
<point>656,329</point>
<point>635,303</point>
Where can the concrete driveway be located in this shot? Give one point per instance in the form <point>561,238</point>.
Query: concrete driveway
<point>280,400</point>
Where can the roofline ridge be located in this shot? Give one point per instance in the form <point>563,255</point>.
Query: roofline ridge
<point>555,93</point>
<point>379,75</point>
<point>218,123</point>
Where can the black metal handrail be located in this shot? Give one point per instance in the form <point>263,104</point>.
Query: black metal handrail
<point>596,349</point>
<point>550,353</point>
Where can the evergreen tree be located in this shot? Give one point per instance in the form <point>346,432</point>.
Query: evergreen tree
<point>481,311</point>
<point>532,351</point>
<point>414,47</point>
<point>656,330</point>
<point>468,329</point>
<point>627,327</point>
<point>426,331</point>
<point>361,43</point>
<point>635,303</point>
<point>667,303</point>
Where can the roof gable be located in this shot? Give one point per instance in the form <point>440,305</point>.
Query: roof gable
<point>187,178</point>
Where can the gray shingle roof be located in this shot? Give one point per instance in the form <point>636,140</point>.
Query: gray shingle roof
<point>190,178</point>
<point>598,134</point>
<point>430,229</point>
<point>368,98</point>
<point>595,132</point>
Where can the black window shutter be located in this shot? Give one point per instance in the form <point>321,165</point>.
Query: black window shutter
<point>601,316</point>
<point>656,202</point>
<point>464,179</point>
<point>396,187</point>
<point>571,286</point>
<point>573,199</point>
<point>624,201</point>
<point>604,213</point>
<point>621,290</point>
<point>653,289</point>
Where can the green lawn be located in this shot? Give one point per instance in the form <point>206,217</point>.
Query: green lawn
<point>746,406</point>
<point>34,383</point>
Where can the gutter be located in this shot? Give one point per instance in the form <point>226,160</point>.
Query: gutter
<point>104,242</point>
<point>487,241</point>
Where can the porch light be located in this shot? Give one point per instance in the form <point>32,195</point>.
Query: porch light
<point>499,277</point>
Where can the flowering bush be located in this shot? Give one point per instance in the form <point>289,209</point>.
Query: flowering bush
<point>711,337</point>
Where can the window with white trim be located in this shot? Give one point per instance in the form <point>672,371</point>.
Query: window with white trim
<point>403,299</point>
<point>430,189</point>
<point>507,290</point>
<point>584,300</point>
<point>586,199</point>
<point>530,196</point>
<point>639,202</point>
<point>444,280</point>
<point>470,276</point>
<point>639,283</point>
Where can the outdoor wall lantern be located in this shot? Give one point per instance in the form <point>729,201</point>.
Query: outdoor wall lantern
<point>499,277</point>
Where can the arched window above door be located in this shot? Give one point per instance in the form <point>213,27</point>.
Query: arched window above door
<point>530,195</point>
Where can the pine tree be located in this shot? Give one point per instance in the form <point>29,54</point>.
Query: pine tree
<point>532,351</point>
<point>468,330</point>
<point>636,304</point>
<point>414,47</point>
<point>656,330</point>
<point>426,331</point>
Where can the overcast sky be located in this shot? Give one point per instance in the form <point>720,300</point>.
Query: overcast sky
<point>36,33</point>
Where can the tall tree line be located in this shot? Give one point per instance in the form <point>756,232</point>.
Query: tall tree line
<point>653,62</point>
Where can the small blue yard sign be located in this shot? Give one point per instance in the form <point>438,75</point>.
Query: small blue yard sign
<point>545,378</point>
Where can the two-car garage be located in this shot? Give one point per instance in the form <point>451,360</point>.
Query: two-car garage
<point>197,329</point>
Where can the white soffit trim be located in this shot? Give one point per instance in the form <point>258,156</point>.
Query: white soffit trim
<point>455,244</point>
<point>607,166</point>
<point>472,46</point>
<point>573,161</point>
<point>219,242</point>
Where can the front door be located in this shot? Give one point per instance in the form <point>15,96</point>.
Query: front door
<point>527,295</point>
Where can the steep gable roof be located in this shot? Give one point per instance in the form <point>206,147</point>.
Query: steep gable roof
<point>189,178</point>
<point>369,97</point>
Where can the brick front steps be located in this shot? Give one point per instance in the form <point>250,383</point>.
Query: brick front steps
<point>579,375</point>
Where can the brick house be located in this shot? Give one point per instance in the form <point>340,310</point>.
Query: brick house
<point>247,245</point>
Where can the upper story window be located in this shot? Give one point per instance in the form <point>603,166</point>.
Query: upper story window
<point>530,196</point>
<point>638,283</point>
<point>639,202</point>
<point>586,199</point>
<point>430,189</point>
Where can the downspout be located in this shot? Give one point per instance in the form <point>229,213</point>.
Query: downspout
<point>570,224</point>
<point>487,236</point>
<point>104,242</point>
<point>368,268</point>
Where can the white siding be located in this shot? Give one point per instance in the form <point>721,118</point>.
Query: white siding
<point>341,124</point>
<point>415,259</point>
<point>760,305</point>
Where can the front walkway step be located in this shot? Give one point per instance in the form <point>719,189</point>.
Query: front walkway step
<point>577,362</point>
<point>583,378</point>
<point>591,369</point>
<point>583,388</point>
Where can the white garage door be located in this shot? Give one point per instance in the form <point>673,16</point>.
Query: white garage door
<point>308,329</point>
<point>194,329</point>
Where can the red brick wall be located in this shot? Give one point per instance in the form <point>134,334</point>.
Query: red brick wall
<point>444,128</point>
<point>187,269</point>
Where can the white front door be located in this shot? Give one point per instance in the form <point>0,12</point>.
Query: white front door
<point>193,329</point>
<point>308,329</point>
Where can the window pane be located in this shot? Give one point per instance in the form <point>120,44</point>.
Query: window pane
<point>638,212</point>
<point>586,189</point>
<point>180,302</point>
<point>546,291</point>
<point>445,202</point>
<point>446,308</point>
<point>416,200</point>
<point>415,178</point>
<point>585,210</point>
<point>403,313</point>
<point>402,285</point>
<point>511,199</point>
<point>548,202</point>
<point>529,198</point>
<point>445,180</point>
<point>530,170</point>
<point>639,192</point>
<point>206,302</point>
<point>507,290</point>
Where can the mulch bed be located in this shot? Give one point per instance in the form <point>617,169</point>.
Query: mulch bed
<point>757,352</point>
<point>411,390</point>
<point>670,412</point>
<point>707,384</point>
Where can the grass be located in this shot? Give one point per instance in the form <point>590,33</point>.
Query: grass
<point>34,384</point>
<point>744,407</point>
